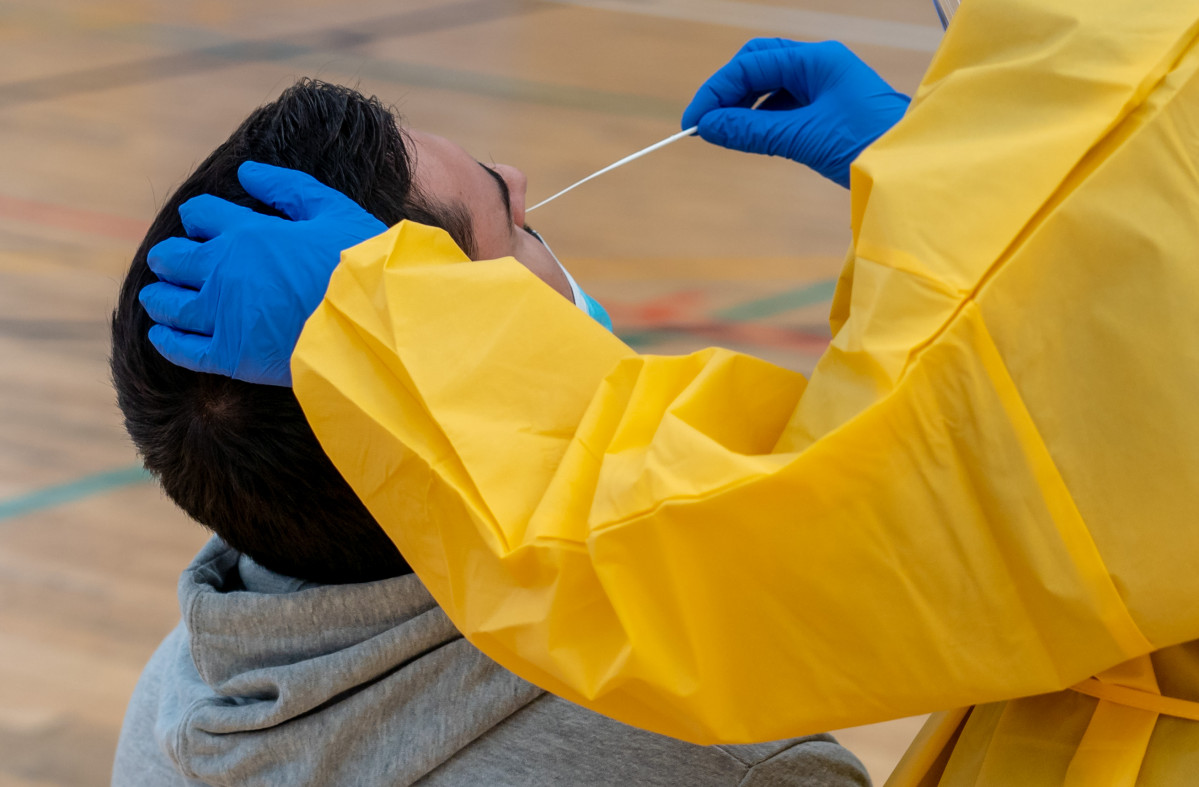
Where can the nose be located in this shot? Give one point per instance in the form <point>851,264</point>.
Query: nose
<point>517,185</point>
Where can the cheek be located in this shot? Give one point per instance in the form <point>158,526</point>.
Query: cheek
<point>494,236</point>
<point>537,259</point>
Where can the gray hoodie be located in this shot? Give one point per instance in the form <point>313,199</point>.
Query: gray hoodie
<point>272,681</point>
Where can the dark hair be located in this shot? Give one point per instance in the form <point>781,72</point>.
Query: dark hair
<point>238,457</point>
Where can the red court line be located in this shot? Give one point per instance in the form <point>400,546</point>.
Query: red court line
<point>46,214</point>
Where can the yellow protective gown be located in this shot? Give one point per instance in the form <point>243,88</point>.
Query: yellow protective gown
<point>986,490</point>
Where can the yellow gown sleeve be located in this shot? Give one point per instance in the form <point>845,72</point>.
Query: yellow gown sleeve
<point>985,490</point>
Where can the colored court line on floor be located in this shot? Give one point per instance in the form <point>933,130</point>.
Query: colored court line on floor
<point>311,53</point>
<point>47,214</point>
<point>49,329</point>
<point>71,491</point>
<point>801,297</point>
<point>748,336</point>
<point>807,295</point>
<point>279,48</point>
<point>739,322</point>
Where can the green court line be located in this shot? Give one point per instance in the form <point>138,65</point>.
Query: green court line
<point>71,491</point>
<point>807,295</point>
<point>87,486</point>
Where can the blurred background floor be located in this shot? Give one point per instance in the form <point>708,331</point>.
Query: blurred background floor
<point>106,105</point>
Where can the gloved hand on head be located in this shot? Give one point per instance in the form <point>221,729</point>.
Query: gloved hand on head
<point>235,303</point>
<point>823,105</point>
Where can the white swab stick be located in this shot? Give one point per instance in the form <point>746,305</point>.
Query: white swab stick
<point>622,162</point>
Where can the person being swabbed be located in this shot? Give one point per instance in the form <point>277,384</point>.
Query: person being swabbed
<point>308,653</point>
<point>981,500</point>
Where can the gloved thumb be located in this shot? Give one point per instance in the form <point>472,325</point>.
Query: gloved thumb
<point>749,130</point>
<point>296,194</point>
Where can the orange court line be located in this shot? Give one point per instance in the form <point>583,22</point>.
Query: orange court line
<point>47,214</point>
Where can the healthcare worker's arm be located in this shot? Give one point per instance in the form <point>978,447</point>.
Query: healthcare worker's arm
<point>984,491</point>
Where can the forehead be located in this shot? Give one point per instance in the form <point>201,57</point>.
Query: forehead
<point>442,168</point>
<point>446,173</point>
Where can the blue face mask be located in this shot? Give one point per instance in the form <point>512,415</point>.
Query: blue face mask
<point>584,301</point>
<point>593,307</point>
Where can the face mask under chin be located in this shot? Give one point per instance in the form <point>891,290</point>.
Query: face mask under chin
<point>584,301</point>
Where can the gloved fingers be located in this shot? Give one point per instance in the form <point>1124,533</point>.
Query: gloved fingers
<point>206,216</point>
<point>709,98</point>
<point>188,350</point>
<point>178,308</point>
<point>297,194</point>
<point>749,130</point>
<point>725,127</point>
<point>747,77</point>
<point>275,373</point>
<point>181,261</point>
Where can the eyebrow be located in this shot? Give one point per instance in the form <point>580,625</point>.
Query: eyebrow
<point>503,187</point>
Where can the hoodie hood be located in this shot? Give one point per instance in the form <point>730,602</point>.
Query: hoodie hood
<point>270,680</point>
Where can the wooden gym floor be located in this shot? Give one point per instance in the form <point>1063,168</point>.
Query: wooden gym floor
<point>105,105</point>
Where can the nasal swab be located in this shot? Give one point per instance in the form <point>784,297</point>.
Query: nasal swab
<point>622,162</point>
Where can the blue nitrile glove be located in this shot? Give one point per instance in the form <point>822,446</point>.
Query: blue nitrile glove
<point>235,304</point>
<point>826,107</point>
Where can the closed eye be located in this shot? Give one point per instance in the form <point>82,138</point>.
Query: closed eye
<point>503,187</point>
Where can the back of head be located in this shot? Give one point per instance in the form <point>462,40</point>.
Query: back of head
<point>238,457</point>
